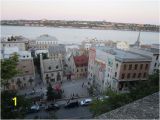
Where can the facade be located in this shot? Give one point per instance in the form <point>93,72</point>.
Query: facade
<point>16,41</point>
<point>80,66</point>
<point>57,52</point>
<point>153,53</point>
<point>116,69</point>
<point>51,70</point>
<point>26,67</point>
<point>44,41</point>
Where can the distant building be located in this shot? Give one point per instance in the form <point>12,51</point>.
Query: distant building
<point>57,51</point>
<point>71,47</point>
<point>122,45</point>
<point>153,52</point>
<point>44,41</point>
<point>37,52</point>
<point>18,41</point>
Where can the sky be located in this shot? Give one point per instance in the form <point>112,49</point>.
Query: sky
<point>125,11</point>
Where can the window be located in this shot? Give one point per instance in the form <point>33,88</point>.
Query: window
<point>77,70</point>
<point>128,76</point>
<point>81,70</point>
<point>24,78</point>
<point>130,66</point>
<point>57,67</point>
<point>135,67</point>
<point>26,71</point>
<point>123,75</point>
<point>86,69</point>
<point>115,74</point>
<point>117,65</point>
<point>139,75</point>
<point>155,64</point>
<point>141,67</point>
<point>49,67</point>
<point>157,58</point>
<point>124,66</point>
<point>146,66</point>
<point>144,75</point>
<point>134,75</point>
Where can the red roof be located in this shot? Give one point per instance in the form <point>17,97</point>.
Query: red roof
<point>81,60</point>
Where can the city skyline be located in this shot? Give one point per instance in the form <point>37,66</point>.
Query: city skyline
<point>123,11</point>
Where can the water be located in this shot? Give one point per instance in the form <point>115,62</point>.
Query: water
<point>73,35</point>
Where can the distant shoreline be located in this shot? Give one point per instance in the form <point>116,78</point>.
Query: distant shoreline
<point>70,27</point>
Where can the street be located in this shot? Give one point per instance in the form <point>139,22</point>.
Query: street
<point>72,113</point>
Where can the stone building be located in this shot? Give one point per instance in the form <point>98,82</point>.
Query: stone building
<point>51,70</point>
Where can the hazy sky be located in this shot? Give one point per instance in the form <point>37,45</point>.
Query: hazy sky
<point>130,11</point>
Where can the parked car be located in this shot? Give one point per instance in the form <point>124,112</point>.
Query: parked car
<point>34,109</point>
<point>86,102</point>
<point>72,105</point>
<point>52,107</point>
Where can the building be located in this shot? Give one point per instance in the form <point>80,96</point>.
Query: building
<point>15,41</point>
<point>37,52</point>
<point>44,41</point>
<point>153,52</point>
<point>122,45</point>
<point>26,67</point>
<point>71,47</point>
<point>116,69</point>
<point>80,66</point>
<point>57,51</point>
<point>51,70</point>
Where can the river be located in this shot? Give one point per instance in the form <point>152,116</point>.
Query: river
<point>74,35</point>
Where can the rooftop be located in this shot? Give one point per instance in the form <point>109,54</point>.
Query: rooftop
<point>145,108</point>
<point>46,37</point>
<point>124,55</point>
<point>81,60</point>
<point>57,49</point>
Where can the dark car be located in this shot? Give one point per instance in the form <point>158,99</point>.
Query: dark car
<point>72,105</point>
<point>52,107</point>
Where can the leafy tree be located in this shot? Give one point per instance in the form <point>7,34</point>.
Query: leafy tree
<point>52,94</point>
<point>8,110</point>
<point>9,68</point>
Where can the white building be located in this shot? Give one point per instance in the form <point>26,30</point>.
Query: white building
<point>16,41</point>
<point>40,52</point>
<point>122,45</point>
<point>44,41</point>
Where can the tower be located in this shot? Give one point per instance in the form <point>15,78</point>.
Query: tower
<point>138,42</point>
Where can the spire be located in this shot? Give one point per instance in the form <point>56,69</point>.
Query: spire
<point>137,43</point>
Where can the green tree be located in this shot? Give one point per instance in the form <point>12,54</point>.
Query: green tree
<point>9,68</point>
<point>52,94</point>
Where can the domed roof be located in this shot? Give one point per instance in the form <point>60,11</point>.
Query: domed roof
<point>46,37</point>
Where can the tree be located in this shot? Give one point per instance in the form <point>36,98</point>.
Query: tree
<point>8,110</point>
<point>50,93</point>
<point>9,68</point>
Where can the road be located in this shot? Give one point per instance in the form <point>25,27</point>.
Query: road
<point>72,113</point>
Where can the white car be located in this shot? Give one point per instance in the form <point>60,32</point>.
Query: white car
<point>35,107</point>
<point>86,102</point>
